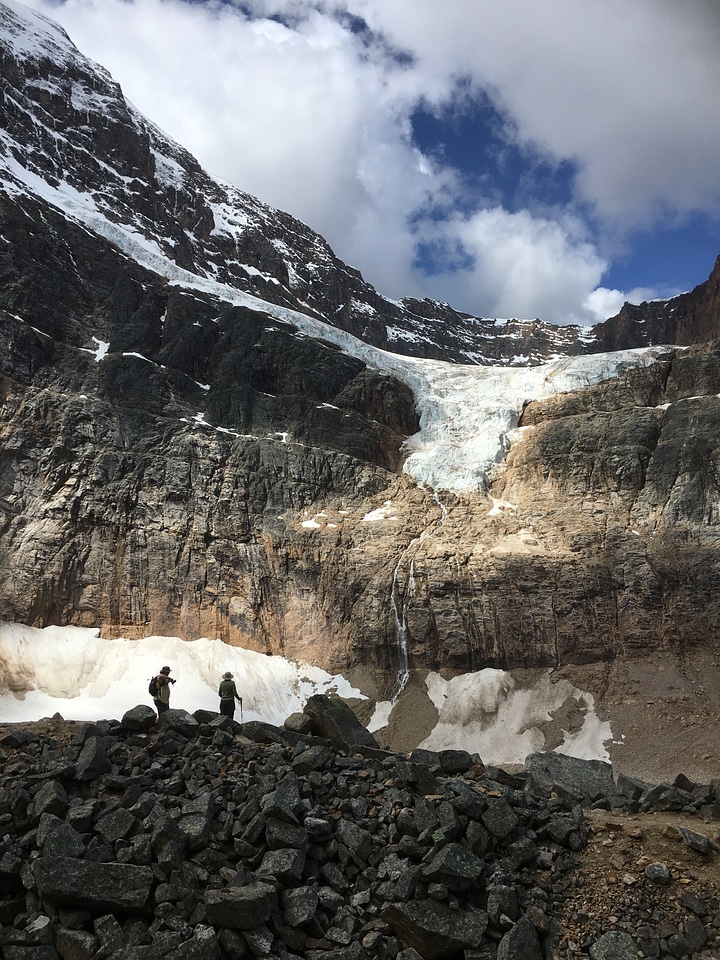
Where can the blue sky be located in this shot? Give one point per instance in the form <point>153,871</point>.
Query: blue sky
<point>514,159</point>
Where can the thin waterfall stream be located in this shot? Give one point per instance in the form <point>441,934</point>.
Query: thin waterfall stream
<point>399,609</point>
<point>400,615</point>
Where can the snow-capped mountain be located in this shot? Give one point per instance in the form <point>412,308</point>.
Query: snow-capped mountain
<point>69,136</point>
<point>212,427</point>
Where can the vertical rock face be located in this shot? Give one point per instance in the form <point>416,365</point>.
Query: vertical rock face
<point>178,457</point>
<point>692,317</point>
<point>602,540</point>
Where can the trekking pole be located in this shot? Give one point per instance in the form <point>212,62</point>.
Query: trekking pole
<point>241,713</point>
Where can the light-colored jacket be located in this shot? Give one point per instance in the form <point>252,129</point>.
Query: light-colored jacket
<point>163,683</point>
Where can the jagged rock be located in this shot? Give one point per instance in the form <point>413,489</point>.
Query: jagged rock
<point>336,722</point>
<point>630,787</point>
<point>179,720</point>
<point>457,761</point>
<point>566,832</point>
<point>456,867</point>
<point>97,886</point>
<point>370,865</point>
<point>299,723</point>
<point>61,840</point>
<point>75,944</point>
<point>695,934</point>
<point>520,942</point>
<point>499,818</point>
<point>51,798</point>
<point>658,873</point>
<point>284,802</point>
<point>299,905</point>
<point>358,841</point>
<point>314,758</point>
<point>18,738</point>
<point>284,865</point>
<point>139,719</point>
<point>614,945</point>
<point>117,825</point>
<point>241,908</point>
<point>588,778</point>
<point>696,841</point>
<point>93,760</point>
<point>433,929</point>
<point>694,903</point>
<point>502,901</point>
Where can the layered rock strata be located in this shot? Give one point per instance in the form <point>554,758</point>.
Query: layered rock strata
<point>179,458</point>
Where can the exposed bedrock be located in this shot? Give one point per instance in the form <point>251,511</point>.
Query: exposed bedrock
<point>176,457</point>
<point>292,532</point>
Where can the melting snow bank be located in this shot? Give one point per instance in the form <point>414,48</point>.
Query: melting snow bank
<point>488,713</point>
<point>74,672</point>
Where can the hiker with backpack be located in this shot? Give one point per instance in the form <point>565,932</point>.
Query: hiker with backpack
<point>159,690</point>
<point>227,691</point>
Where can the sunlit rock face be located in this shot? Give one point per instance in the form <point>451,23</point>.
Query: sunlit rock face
<point>200,438</point>
<point>693,317</point>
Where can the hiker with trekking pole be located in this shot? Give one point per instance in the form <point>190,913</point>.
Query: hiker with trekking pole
<point>227,691</point>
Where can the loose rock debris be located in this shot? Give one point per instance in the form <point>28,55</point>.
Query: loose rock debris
<point>202,839</point>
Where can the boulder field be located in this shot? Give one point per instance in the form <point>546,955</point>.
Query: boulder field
<point>202,839</point>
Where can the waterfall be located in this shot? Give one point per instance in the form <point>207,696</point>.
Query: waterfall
<point>400,615</point>
<point>399,609</point>
<point>443,508</point>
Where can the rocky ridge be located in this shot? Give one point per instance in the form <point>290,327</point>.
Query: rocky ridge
<point>200,838</point>
<point>65,121</point>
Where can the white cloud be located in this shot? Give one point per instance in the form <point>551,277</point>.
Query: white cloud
<point>604,302</point>
<point>625,90</point>
<point>522,266</point>
<point>313,116</point>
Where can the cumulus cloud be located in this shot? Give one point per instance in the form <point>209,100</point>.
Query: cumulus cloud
<point>308,105</point>
<point>522,266</point>
<point>624,90</point>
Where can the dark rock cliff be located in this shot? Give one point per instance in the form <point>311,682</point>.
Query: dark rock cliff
<point>692,317</point>
<point>177,457</point>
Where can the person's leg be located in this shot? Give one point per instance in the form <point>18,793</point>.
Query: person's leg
<point>227,708</point>
<point>161,707</point>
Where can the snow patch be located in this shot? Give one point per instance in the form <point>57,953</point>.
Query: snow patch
<point>74,672</point>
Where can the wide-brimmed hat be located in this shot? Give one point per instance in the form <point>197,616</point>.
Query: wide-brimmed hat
<point>165,670</point>
<point>227,676</point>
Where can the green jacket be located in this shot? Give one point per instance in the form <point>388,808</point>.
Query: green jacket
<point>227,690</point>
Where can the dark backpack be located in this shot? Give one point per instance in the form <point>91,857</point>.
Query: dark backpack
<point>153,687</point>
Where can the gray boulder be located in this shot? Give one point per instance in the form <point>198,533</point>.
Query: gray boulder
<point>50,798</point>
<point>138,719</point>
<point>93,760</point>
<point>299,723</point>
<point>67,881</point>
<point>180,721</point>
<point>520,942</point>
<point>455,866</point>
<point>240,908</point>
<point>589,778</point>
<point>614,945</point>
<point>299,904</point>
<point>286,866</point>
<point>335,721</point>
<point>435,930</point>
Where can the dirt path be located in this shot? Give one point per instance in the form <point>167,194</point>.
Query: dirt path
<point>610,889</point>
